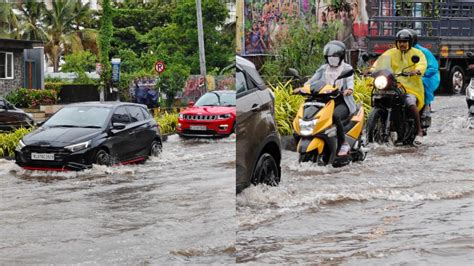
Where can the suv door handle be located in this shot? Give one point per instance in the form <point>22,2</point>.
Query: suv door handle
<point>255,107</point>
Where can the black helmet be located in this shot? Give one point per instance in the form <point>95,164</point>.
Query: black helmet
<point>334,49</point>
<point>414,35</point>
<point>404,35</point>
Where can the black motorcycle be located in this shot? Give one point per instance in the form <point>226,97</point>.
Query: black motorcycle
<point>389,111</point>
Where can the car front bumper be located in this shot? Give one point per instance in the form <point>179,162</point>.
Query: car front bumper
<point>63,160</point>
<point>222,127</point>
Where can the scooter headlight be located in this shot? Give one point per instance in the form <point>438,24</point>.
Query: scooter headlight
<point>381,82</point>
<point>306,127</point>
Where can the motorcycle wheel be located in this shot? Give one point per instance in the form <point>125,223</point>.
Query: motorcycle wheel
<point>375,126</point>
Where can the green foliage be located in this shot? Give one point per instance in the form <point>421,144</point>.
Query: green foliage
<point>167,122</point>
<point>286,107</point>
<point>363,92</point>
<point>9,141</point>
<point>302,49</point>
<point>172,81</point>
<point>56,86</point>
<point>129,61</point>
<point>79,62</point>
<point>26,98</point>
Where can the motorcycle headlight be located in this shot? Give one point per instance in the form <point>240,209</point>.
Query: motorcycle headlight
<point>224,116</point>
<point>20,146</point>
<point>78,147</point>
<point>381,82</point>
<point>306,127</point>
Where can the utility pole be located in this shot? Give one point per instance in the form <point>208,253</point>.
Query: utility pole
<point>202,54</point>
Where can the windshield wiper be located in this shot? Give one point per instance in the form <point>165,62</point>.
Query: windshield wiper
<point>91,127</point>
<point>63,126</point>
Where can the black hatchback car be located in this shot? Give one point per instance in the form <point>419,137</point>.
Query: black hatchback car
<point>83,134</point>
<point>259,148</point>
<point>12,118</point>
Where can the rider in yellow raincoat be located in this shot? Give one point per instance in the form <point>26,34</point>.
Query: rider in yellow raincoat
<point>400,59</point>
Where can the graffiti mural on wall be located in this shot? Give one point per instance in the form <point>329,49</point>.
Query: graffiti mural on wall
<point>265,21</point>
<point>194,87</point>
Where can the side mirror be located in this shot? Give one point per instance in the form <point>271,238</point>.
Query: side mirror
<point>118,126</point>
<point>365,57</point>
<point>346,74</point>
<point>293,72</point>
<point>415,59</point>
<point>470,54</point>
<point>40,123</point>
<point>190,104</point>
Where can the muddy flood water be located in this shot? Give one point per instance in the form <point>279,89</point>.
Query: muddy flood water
<point>177,208</point>
<point>403,205</point>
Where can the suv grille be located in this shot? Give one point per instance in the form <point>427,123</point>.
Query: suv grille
<point>200,117</point>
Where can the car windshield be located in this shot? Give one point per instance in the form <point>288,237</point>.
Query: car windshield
<point>216,99</point>
<point>79,116</point>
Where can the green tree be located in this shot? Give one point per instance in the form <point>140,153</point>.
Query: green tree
<point>302,48</point>
<point>31,15</point>
<point>9,22</point>
<point>172,81</point>
<point>79,62</point>
<point>63,36</point>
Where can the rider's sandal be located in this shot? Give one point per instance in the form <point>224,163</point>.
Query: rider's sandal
<point>418,141</point>
<point>344,150</point>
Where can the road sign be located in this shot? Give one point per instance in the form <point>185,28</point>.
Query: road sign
<point>160,67</point>
<point>115,69</point>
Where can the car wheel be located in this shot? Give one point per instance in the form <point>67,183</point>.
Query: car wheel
<point>156,148</point>
<point>102,157</point>
<point>266,171</point>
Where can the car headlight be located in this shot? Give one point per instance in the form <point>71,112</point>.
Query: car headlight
<point>224,116</point>
<point>306,127</point>
<point>20,145</point>
<point>181,116</point>
<point>78,147</point>
<point>381,82</point>
<point>29,115</point>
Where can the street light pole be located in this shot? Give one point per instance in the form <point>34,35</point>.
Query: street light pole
<point>202,54</point>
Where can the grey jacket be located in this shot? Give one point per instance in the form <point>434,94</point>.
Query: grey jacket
<point>348,83</point>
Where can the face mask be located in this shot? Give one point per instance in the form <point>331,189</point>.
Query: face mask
<point>334,61</point>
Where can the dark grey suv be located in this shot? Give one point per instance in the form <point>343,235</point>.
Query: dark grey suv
<point>258,141</point>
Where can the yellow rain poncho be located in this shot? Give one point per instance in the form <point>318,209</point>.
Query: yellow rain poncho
<point>398,61</point>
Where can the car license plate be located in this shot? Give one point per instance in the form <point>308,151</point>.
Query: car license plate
<point>200,128</point>
<point>42,156</point>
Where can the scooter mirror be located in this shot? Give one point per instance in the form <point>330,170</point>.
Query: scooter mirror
<point>346,74</point>
<point>294,72</point>
<point>415,59</point>
<point>365,57</point>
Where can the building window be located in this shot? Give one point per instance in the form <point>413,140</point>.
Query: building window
<point>6,65</point>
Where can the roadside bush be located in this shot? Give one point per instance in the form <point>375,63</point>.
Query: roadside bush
<point>362,92</point>
<point>167,122</point>
<point>286,107</point>
<point>26,98</point>
<point>54,86</point>
<point>9,141</point>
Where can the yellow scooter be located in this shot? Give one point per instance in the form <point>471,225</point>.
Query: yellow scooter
<point>315,132</point>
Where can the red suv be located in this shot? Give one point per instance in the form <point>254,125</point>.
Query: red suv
<point>212,115</point>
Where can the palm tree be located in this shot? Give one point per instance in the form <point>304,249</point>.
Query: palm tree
<point>31,14</point>
<point>63,32</point>
<point>8,22</point>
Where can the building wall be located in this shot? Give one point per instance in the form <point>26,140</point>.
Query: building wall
<point>7,85</point>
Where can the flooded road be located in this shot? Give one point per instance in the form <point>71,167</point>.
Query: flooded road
<point>402,205</point>
<point>177,208</point>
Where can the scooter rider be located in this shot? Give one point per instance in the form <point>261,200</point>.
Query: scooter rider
<point>334,53</point>
<point>400,60</point>
<point>431,78</point>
